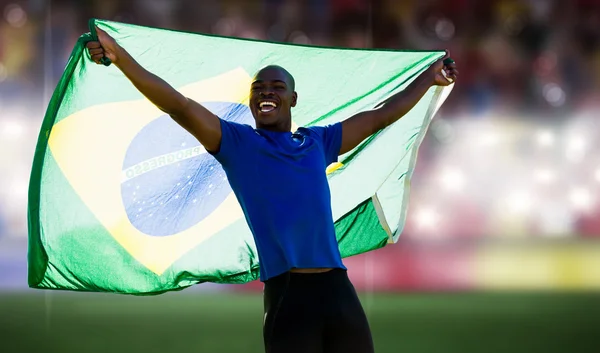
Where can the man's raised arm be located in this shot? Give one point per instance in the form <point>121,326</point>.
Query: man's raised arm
<point>193,117</point>
<point>362,125</point>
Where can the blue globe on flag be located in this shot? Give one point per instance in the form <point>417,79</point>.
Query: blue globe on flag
<point>169,181</point>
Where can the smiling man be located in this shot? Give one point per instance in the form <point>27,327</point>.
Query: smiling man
<point>267,110</point>
<point>279,179</point>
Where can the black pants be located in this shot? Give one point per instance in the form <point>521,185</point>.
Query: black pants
<point>314,313</point>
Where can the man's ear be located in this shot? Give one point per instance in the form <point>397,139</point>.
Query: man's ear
<point>294,99</point>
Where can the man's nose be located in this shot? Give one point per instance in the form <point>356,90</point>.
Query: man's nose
<point>266,92</point>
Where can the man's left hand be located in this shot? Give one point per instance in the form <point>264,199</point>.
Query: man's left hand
<point>443,74</point>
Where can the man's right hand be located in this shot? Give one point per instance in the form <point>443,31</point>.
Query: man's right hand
<point>196,119</point>
<point>105,46</point>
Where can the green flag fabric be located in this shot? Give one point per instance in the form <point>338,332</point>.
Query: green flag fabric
<point>124,200</point>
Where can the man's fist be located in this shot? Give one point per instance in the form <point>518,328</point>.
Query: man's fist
<point>106,46</point>
<point>444,74</point>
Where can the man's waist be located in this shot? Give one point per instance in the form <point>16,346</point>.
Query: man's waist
<point>310,270</point>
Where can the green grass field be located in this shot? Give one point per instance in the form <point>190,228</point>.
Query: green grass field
<point>194,322</point>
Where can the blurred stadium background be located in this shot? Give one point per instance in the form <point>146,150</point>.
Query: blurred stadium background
<point>501,251</point>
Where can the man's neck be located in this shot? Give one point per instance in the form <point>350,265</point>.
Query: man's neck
<point>285,126</point>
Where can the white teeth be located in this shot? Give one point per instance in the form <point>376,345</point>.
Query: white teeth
<point>272,104</point>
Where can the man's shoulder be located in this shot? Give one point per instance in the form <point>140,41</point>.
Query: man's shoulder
<point>318,130</point>
<point>237,124</point>
<point>238,127</point>
<point>235,137</point>
<point>310,130</point>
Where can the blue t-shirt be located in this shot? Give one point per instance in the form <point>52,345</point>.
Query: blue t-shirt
<point>279,180</point>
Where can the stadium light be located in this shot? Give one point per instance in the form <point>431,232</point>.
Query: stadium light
<point>12,129</point>
<point>427,218</point>
<point>442,131</point>
<point>19,189</point>
<point>453,179</point>
<point>576,143</point>
<point>575,148</point>
<point>519,202</point>
<point>580,198</point>
<point>444,29</point>
<point>15,15</point>
<point>489,139</point>
<point>554,94</point>
<point>299,37</point>
<point>545,138</point>
<point>544,176</point>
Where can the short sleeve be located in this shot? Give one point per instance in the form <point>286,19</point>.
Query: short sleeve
<point>233,138</point>
<point>330,137</point>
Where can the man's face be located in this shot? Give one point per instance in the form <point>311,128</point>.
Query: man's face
<point>271,98</point>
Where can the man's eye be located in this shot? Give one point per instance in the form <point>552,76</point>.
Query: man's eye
<point>281,88</point>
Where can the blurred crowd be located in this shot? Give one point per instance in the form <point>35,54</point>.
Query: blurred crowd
<point>512,152</point>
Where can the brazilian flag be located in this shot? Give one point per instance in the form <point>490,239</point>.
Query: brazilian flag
<point>122,199</point>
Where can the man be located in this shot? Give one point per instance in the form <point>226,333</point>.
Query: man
<point>279,179</point>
